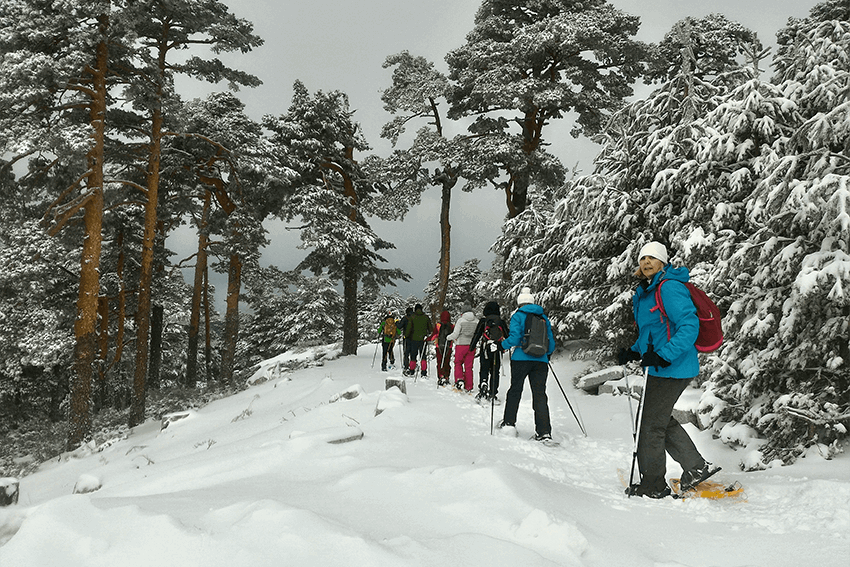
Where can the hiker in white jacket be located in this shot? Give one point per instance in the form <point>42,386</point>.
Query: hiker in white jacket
<point>464,351</point>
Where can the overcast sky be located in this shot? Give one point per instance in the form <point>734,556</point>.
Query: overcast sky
<point>342,44</point>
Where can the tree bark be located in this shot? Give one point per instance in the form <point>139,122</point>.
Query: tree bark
<point>447,180</point>
<point>349,294</point>
<point>197,293</point>
<point>532,135</point>
<point>231,319</point>
<point>99,394</point>
<point>85,327</point>
<point>207,339</point>
<point>157,319</point>
<point>350,272</point>
<point>137,406</point>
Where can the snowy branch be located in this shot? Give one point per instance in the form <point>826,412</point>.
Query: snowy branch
<point>815,418</point>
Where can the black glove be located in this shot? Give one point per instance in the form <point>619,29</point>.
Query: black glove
<point>627,355</point>
<point>651,358</point>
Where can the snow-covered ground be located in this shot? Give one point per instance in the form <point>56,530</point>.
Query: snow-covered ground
<point>251,480</point>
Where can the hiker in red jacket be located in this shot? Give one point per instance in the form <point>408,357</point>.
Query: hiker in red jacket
<point>444,347</point>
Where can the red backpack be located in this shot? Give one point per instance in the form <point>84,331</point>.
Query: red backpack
<point>710,335</point>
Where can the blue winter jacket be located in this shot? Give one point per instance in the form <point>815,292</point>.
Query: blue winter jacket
<point>517,330</point>
<point>678,349</point>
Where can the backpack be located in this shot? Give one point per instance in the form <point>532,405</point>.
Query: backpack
<point>535,341</point>
<point>493,329</point>
<point>710,335</point>
<point>445,330</point>
<point>389,327</point>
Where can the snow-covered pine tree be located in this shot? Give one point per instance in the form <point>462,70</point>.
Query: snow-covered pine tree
<point>519,255</point>
<point>786,369</point>
<point>461,290</point>
<point>60,116</point>
<point>602,219</point>
<point>270,295</point>
<point>433,159</point>
<point>528,63</point>
<point>332,196</point>
<point>315,319</point>
<point>37,289</point>
<point>160,29</point>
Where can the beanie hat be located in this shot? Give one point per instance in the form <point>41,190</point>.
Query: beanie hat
<point>654,249</point>
<point>492,308</point>
<point>525,296</point>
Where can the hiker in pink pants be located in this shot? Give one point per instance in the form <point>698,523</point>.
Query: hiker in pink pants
<point>464,351</point>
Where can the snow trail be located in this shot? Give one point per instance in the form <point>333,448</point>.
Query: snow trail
<point>251,479</point>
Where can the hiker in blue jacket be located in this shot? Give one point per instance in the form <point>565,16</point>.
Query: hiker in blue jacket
<point>523,365</point>
<point>670,357</point>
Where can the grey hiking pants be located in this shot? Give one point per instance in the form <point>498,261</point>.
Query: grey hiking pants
<point>660,433</point>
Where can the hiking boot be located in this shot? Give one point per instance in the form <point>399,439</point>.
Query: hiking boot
<point>503,424</point>
<point>543,437</point>
<point>638,490</point>
<point>693,477</point>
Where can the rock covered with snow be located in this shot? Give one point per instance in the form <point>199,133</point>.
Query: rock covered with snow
<point>87,483</point>
<point>8,491</point>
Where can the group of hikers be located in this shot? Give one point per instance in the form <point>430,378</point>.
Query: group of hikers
<point>667,326</point>
<point>488,337</point>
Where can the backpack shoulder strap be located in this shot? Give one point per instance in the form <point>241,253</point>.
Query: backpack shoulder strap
<point>659,306</point>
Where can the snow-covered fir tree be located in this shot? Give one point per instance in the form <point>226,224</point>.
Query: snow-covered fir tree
<point>603,219</point>
<point>36,322</point>
<point>786,367</point>
<point>331,194</point>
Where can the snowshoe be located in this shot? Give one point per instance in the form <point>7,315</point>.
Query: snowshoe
<point>692,479</point>
<point>507,429</point>
<point>546,439</point>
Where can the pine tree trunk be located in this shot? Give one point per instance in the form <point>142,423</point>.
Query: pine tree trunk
<point>99,394</point>
<point>349,293</point>
<point>448,182</point>
<point>207,339</point>
<point>532,135</point>
<point>122,302</point>
<point>85,327</point>
<point>231,319</point>
<point>157,313</point>
<point>197,289</point>
<point>137,405</point>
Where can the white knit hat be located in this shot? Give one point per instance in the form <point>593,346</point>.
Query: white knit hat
<point>525,296</point>
<point>654,249</point>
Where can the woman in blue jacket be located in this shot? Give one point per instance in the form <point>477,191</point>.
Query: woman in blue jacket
<point>665,346</point>
<point>523,365</point>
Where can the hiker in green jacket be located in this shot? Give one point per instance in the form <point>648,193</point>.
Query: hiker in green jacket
<point>418,328</point>
<point>387,332</point>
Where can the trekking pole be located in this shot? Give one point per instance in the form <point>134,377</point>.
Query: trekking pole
<point>636,429</point>
<point>493,372</point>
<point>375,355</point>
<point>629,395</point>
<point>580,424</point>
